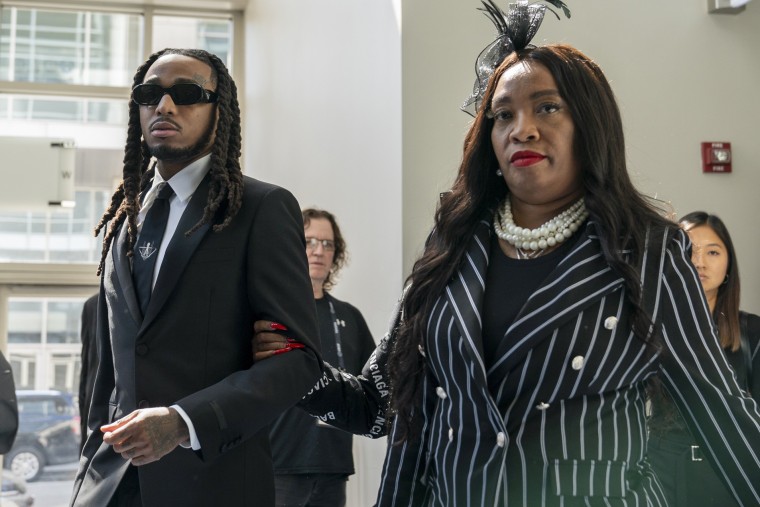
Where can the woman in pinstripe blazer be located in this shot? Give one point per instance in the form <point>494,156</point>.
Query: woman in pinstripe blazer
<point>522,382</point>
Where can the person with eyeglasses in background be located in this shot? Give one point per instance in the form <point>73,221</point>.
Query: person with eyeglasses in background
<point>193,253</point>
<point>312,459</point>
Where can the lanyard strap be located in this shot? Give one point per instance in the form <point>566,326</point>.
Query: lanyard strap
<point>336,333</point>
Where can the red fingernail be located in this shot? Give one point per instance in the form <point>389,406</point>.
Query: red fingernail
<point>277,326</point>
<point>296,345</point>
<point>281,351</point>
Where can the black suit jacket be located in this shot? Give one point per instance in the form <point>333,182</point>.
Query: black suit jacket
<point>89,359</point>
<point>8,406</point>
<point>193,348</point>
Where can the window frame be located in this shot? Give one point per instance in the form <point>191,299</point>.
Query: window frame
<point>14,276</point>
<point>148,12</point>
<point>63,279</point>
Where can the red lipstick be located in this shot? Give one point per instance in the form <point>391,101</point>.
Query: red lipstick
<point>526,158</point>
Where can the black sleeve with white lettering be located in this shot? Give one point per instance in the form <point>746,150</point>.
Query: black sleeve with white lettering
<point>321,448</point>
<point>354,403</point>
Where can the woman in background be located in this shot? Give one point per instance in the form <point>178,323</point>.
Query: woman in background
<point>686,476</point>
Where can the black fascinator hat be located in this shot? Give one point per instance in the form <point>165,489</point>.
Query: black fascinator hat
<point>515,29</point>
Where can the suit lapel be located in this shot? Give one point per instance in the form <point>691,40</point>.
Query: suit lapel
<point>123,269</point>
<point>582,277</point>
<point>465,293</point>
<point>179,251</point>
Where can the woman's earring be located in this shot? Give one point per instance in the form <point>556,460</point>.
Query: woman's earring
<point>499,173</point>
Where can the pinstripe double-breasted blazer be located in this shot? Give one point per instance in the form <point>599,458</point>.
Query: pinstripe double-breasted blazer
<point>559,416</point>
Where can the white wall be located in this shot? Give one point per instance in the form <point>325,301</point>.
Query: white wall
<point>441,39</point>
<point>693,77</point>
<point>323,119</point>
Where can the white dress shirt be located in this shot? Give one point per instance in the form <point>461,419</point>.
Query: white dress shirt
<point>184,184</point>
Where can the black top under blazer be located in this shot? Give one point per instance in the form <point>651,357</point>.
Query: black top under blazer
<point>559,419</point>
<point>193,349</point>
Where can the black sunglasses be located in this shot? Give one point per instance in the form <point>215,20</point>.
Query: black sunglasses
<point>182,94</point>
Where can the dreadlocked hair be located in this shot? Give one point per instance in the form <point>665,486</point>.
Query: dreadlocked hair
<point>226,176</point>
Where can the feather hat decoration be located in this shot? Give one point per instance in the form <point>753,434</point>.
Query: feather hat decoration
<point>515,29</point>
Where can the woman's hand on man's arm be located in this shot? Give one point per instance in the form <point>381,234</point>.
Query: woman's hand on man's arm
<point>270,338</point>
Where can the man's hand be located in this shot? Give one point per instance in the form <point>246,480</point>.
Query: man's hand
<point>269,340</point>
<point>146,435</point>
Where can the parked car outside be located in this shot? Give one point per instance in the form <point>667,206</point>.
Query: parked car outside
<point>48,433</point>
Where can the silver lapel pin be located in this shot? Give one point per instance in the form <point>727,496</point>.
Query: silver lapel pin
<point>146,251</point>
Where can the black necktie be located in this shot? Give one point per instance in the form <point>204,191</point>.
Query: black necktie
<point>148,243</point>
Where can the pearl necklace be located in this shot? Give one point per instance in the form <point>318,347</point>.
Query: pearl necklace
<point>530,243</point>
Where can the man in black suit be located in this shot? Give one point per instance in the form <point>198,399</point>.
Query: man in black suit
<point>8,406</point>
<point>180,412</point>
<point>89,361</point>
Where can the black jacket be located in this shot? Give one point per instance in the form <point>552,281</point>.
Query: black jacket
<point>193,348</point>
<point>8,406</point>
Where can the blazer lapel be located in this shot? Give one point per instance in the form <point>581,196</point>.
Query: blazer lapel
<point>582,277</point>
<point>179,251</point>
<point>123,269</point>
<point>465,293</point>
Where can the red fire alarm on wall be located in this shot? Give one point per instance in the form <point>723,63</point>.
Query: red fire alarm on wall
<point>716,157</point>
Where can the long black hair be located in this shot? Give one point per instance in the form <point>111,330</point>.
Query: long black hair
<point>226,185</point>
<point>726,312</point>
<point>620,211</point>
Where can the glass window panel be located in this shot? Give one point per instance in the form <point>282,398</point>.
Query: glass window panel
<point>8,255</point>
<point>65,376</point>
<point>53,359</point>
<point>38,223</point>
<point>60,223</point>
<point>111,112</point>
<point>14,223</point>
<point>77,110</point>
<point>81,222</point>
<point>65,235</point>
<point>43,109</point>
<point>24,366</point>
<point>5,42</point>
<point>64,320</point>
<point>74,47</point>
<point>24,321</point>
<point>80,47</point>
<point>213,35</point>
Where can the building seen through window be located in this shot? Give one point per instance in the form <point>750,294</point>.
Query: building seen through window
<point>66,73</point>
